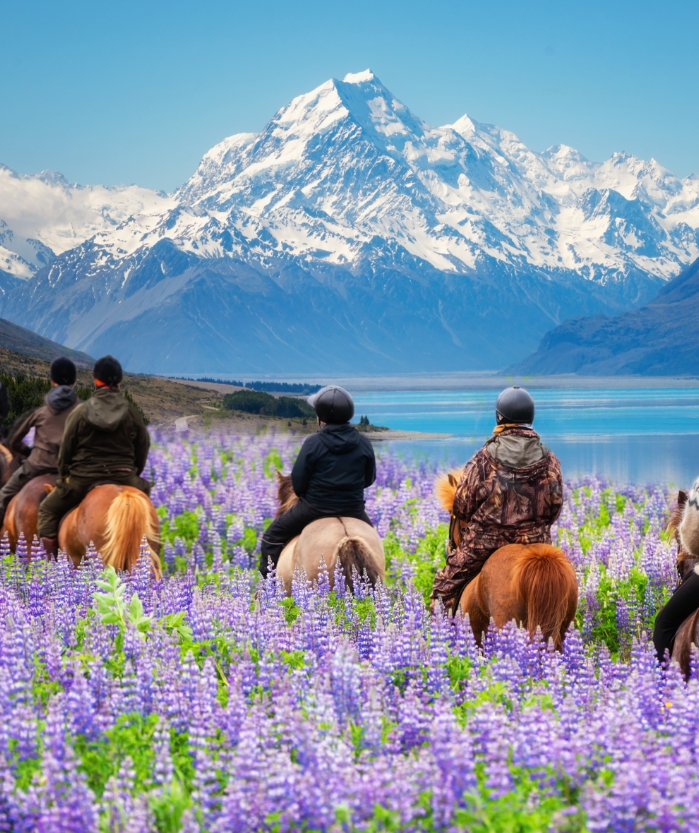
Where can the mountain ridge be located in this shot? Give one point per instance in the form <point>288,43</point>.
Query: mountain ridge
<point>657,339</point>
<point>348,208</point>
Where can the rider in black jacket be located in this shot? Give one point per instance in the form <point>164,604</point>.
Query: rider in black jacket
<point>330,474</point>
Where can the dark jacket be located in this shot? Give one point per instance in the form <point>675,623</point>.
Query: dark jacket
<point>104,436</point>
<point>49,423</point>
<point>510,492</point>
<point>334,467</point>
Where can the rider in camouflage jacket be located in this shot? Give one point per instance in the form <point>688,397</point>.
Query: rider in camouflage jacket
<point>510,492</point>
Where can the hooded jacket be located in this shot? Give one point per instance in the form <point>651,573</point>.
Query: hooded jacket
<point>510,492</point>
<point>104,437</point>
<point>334,467</point>
<point>49,422</point>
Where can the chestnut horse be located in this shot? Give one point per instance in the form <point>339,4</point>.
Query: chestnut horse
<point>23,509</point>
<point>115,519</point>
<point>354,543</point>
<point>533,584</point>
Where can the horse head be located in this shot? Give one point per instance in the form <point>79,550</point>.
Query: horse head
<point>445,490</point>
<point>286,495</point>
<point>686,561</point>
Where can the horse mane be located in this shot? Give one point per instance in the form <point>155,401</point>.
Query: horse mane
<point>128,520</point>
<point>445,488</point>
<point>286,495</point>
<point>547,582</point>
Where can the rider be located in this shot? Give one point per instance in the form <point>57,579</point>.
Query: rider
<point>105,441</point>
<point>685,600</point>
<point>510,492</point>
<point>48,422</point>
<point>330,474</point>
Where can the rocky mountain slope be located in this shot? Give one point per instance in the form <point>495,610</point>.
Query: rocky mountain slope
<point>351,236</point>
<point>27,343</point>
<point>659,339</point>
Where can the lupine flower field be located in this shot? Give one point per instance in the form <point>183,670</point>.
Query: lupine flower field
<point>206,701</point>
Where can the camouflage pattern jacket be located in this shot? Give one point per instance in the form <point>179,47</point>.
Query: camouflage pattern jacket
<point>510,492</point>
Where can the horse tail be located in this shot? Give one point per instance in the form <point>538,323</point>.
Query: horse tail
<point>353,552</point>
<point>445,488</point>
<point>548,590</point>
<point>129,518</point>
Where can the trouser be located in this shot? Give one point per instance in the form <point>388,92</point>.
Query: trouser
<point>70,492</point>
<point>290,524</point>
<point>683,602</point>
<point>20,478</point>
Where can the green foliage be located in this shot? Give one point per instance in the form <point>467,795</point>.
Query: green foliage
<point>273,462</point>
<point>168,807</point>
<point>129,398</point>
<point>113,609</point>
<point>258,402</point>
<point>185,526</point>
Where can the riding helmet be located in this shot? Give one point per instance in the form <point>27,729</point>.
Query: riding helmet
<point>63,371</point>
<point>108,371</point>
<point>515,405</point>
<point>333,405</point>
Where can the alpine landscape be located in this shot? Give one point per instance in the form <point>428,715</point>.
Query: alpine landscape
<point>348,235</point>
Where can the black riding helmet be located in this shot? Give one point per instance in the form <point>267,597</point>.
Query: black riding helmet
<point>108,371</point>
<point>333,405</point>
<point>515,404</point>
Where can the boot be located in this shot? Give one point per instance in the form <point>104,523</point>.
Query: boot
<point>50,546</point>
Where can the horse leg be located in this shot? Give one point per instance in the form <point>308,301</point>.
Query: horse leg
<point>10,524</point>
<point>69,537</point>
<point>286,564</point>
<point>471,604</point>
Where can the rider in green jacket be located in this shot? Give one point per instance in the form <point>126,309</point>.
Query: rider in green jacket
<point>105,441</point>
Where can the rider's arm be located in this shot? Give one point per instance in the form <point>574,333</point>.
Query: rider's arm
<point>15,443</point>
<point>555,480</point>
<point>141,442</point>
<point>369,468</point>
<point>303,468</point>
<point>69,443</point>
<point>468,495</point>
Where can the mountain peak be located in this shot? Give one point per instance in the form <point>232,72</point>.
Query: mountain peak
<point>359,77</point>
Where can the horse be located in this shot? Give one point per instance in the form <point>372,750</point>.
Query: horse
<point>9,463</point>
<point>115,519</point>
<point>353,543</point>
<point>688,632</point>
<point>23,510</point>
<point>533,584</point>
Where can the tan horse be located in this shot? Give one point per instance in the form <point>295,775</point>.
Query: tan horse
<point>115,519</point>
<point>350,541</point>
<point>23,510</point>
<point>534,585</point>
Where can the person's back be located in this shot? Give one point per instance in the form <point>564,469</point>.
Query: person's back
<point>329,476</point>
<point>105,436</point>
<point>105,440</point>
<point>48,422</point>
<point>510,492</point>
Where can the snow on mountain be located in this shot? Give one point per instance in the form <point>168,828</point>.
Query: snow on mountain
<point>346,189</point>
<point>42,216</point>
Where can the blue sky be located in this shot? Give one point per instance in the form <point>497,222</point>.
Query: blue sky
<point>119,91</point>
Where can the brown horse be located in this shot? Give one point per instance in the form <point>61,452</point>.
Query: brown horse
<point>534,584</point>
<point>9,463</point>
<point>23,509</point>
<point>115,519</point>
<point>353,543</point>
<point>688,632</point>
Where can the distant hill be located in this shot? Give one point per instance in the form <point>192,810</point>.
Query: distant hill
<point>20,340</point>
<point>660,338</point>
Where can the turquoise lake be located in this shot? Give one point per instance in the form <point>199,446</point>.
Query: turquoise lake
<point>632,434</point>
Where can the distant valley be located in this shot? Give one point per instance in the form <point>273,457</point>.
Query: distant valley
<point>348,236</point>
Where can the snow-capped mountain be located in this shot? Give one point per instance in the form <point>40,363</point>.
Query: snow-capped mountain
<point>349,233</point>
<point>44,215</point>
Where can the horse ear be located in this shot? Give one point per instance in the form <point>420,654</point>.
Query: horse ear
<point>280,475</point>
<point>682,497</point>
<point>452,480</point>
